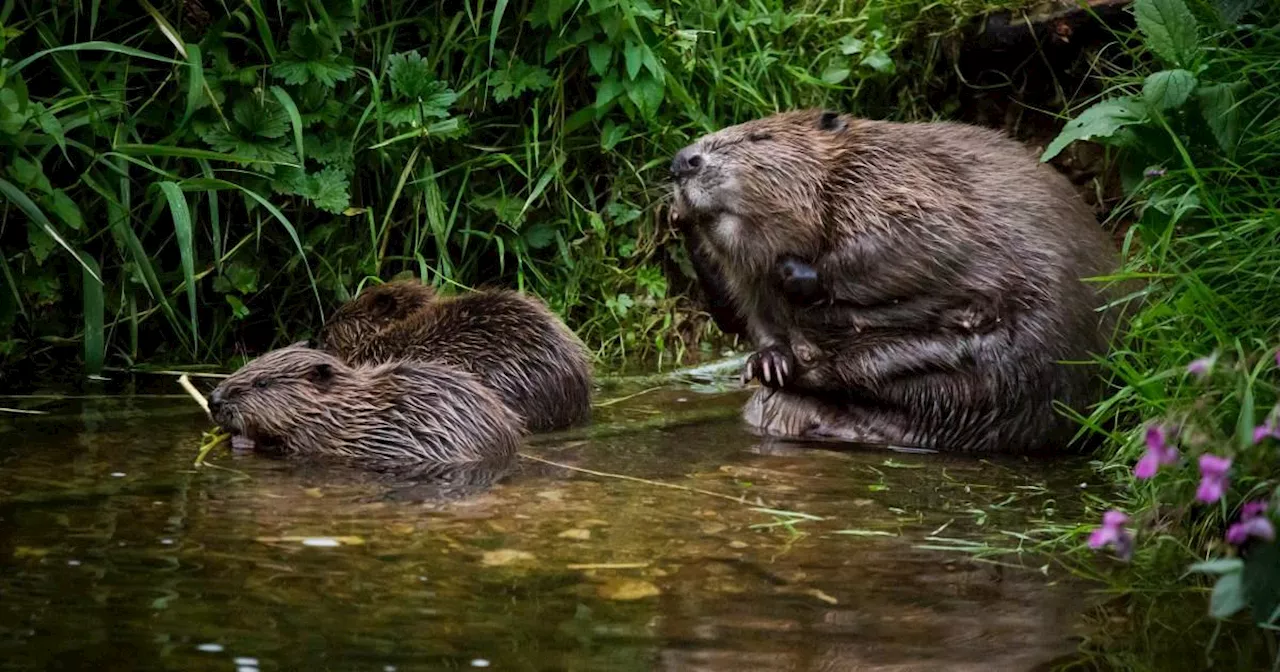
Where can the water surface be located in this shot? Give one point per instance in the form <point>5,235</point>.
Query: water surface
<point>114,549</point>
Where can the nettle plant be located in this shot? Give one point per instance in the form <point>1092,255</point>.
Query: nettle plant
<point>1214,454</point>
<point>1186,103</point>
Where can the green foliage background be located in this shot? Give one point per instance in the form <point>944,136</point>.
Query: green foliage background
<point>184,181</point>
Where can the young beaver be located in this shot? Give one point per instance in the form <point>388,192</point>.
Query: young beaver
<point>513,343</point>
<point>940,272</point>
<point>301,401</point>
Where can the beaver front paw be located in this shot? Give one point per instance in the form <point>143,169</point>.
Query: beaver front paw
<point>799,281</point>
<point>771,366</point>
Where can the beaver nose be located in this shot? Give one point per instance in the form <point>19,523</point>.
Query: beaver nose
<point>215,401</point>
<point>686,163</point>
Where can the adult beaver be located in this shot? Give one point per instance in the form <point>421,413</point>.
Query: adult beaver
<point>301,401</point>
<point>941,269</point>
<point>512,342</point>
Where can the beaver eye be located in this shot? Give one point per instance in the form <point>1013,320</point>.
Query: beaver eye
<point>760,136</point>
<point>261,382</point>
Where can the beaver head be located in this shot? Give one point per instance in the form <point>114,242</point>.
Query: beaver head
<point>761,182</point>
<point>281,395</point>
<point>375,309</point>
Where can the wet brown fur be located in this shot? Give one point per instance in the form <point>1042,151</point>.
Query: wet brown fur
<point>302,401</point>
<point>512,342</point>
<point>905,224</point>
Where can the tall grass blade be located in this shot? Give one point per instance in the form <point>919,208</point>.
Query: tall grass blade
<point>216,184</point>
<point>25,204</point>
<point>496,25</point>
<point>294,118</point>
<point>193,153</point>
<point>186,248</point>
<point>195,83</point>
<point>92,46</point>
<point>166,28</point>
<point>118,220</point>
<point>95,337</point>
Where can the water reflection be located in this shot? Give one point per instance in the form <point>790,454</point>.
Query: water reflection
<point>114,549</point>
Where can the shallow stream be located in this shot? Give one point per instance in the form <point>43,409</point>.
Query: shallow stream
<point>115,549</point>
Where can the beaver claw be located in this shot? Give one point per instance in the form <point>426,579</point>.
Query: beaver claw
<point>772,366</point>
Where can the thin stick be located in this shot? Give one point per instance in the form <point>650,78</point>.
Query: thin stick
<point>185,382</point>
<point>23,411</point>
<point>626,398</point>
<point>624,477</point>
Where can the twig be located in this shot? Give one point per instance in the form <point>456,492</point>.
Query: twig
<point>739,500</point>
<point>626,398</point>
<point>185,382</point>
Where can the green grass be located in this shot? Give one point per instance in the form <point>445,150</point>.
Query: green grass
<point>224,174</point>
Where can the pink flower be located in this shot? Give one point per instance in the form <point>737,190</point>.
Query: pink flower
<point>1213,478</point>
<point>1159,453</point>
<point>1253,523</point>
<point>1266,429</point>
<point>1112,533</point>
<point>1269,428</point>
<point>1201,367</point>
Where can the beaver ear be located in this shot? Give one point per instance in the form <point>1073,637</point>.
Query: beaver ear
<point>383,304</point>
<point>831,121</point>
<point>321,375</point>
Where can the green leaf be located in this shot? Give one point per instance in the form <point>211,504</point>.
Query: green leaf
<point>195,81</point>
<point>1171,30</point>
<point>14,195</point>
<point>238,309</point>
<point>631,55</point>
<point>651,63</point>
<point>243,278</point>
<point>496,22</point>
<point>259,118</point>
<point>39,243</point>
<point>835,73</point>
<point>609,89</point>
<point>518,77</point>
<point>1261,580</point>
<point>30,175</point>
<point>612,134</point>
<point>412,77</point>
<point>328,189</point>
<point>601,56</point>
<point>94,315</point>
<point>291,109</point>
<point>1100,121</point>
<point>262,155</point>
<point>1168,88</point>
<point>1232,11</point>
<point>186,247</point>
<point>65,209</point>
<point>51,125</point>
<point>879,61</point>
<point>540,235</point>
<point>1228,596</point>
<point>1217,566</point>
<point>647,93</point>
<point>1218,106</point>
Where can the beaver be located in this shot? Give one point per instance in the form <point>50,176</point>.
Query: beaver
<point>512,342</point>
<point>301,401</point>
<point>905,233</point>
